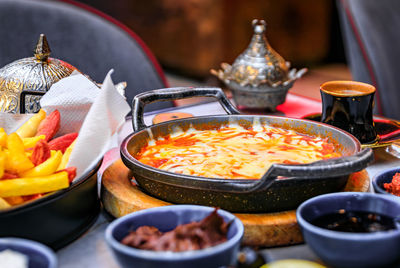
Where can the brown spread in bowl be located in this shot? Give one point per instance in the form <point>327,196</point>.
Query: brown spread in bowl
<point>209,232</point>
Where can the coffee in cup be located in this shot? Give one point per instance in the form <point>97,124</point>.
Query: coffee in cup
<point>348,105</point>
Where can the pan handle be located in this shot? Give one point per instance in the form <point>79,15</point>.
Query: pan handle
<point>328,168</point>
<point>168,94</point>
<point>334,167</point>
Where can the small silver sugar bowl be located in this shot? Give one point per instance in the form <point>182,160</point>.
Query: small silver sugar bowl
<point>259,77</point>
<point>23,82</point>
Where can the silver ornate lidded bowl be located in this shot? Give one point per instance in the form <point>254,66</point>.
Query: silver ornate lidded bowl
<point>25,81</point>
<point>259,77</point>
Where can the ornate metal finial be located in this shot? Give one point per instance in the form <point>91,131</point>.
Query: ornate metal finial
<point>259,45</point>
<point>259,26</point>
<point>42,50</point>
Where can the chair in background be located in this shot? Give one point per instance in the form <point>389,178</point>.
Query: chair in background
<point>88,39</point>
<point>371,37</point>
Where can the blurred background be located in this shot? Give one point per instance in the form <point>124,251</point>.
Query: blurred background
<point>190,37</point>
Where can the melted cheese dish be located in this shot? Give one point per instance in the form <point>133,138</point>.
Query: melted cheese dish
<point>233,152</point>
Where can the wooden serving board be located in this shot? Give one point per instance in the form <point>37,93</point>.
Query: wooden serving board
<point>121,197</point>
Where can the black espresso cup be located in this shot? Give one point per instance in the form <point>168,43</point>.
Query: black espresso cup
<point>348,105</point>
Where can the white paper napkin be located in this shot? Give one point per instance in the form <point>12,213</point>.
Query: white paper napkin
<point>104,118</point>
<point>73,97</point>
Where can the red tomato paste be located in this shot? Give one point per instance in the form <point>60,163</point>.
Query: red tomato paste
<point>394,186</point>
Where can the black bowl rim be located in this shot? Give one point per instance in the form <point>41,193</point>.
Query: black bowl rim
<point>348,236</point>
<point>53,195</point>
<point>382,177</point>
<point>168,256</point>
<point>126,156</point>
<point>33,245</point>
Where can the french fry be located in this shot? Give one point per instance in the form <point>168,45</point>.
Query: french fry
<point>2,163</point>
<point>31,141</point>
<point>29,128</point>
<point>14,200</point>
<point>46,168</point>
<point>7,163</point>
<point>4,204</point>
<point>3,138</point>
<point>50,125</point>
<point>36,185</point>
<point>15,144</point>
<point>66,155</point>
<point>31,163</point>
<point>17,161</point>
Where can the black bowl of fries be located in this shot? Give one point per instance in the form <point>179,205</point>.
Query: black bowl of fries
<point>39,198</point>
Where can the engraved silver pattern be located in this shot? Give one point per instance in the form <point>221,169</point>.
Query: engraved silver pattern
<point>34,74</point>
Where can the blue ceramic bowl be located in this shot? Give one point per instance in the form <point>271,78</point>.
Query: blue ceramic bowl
<point>39,255</point>
<point>345,249</point>
<point>385,176</point>
<point>165,219</point>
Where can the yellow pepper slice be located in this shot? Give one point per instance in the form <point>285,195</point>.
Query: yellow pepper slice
<point>17,161</point>
<point>66,155</point>
<point>31,141</point>
<point>29,128</point>
<point>48,167</point>
<point>36,185</point>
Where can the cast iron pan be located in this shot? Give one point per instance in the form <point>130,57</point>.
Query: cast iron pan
<point>268,194</point>
<point>58,218</point>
